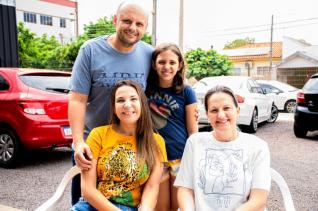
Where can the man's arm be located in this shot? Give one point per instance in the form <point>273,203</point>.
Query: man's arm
<point>76,115</point>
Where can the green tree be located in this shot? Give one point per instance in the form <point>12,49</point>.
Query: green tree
<point>101,27</point>
<point>239,42</point>
<point>203,63</point>
<point>34,51</point>
<point>105,26</point>
<point>47,52</point>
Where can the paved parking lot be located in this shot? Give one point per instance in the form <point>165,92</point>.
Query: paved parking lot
<point>37,176</point>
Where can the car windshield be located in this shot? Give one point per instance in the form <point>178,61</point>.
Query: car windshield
<point>311,85</point>
<point>50,83</point>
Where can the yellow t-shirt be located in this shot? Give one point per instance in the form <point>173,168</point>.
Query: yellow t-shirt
<point>120,176</point>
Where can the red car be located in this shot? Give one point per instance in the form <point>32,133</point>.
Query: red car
<point>33,111</point>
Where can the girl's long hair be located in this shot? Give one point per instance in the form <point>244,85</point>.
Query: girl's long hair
<point>147,147</point>
<point>153,78</point>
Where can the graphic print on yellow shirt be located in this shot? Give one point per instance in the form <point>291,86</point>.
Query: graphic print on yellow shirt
<point>120,174</point>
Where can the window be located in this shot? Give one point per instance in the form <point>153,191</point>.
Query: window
<point>29,17</point>
<point>47,82</point>
<point>62,23</point>
<point>46,20</point>
<point>253,87</point>
<point>270,89</point>
<point>262,70</point>
<point>236,71</point>
<point>3,84</point>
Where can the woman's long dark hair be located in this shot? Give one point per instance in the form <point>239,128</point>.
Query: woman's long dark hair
<point>153,78</point>
<point>147,147</point>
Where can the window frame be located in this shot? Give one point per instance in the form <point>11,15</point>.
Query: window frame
<point>46,20</point>
<point>29,17</point>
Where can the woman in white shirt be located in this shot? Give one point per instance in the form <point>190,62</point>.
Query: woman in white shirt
<point>224,169</point>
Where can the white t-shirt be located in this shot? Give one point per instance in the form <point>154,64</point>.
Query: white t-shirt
<point>223,173</point>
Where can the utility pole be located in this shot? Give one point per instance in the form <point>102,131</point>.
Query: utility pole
<point>76,16</point>
<point>154,23</point>
<point>271,47</point>
<point>181,26</point>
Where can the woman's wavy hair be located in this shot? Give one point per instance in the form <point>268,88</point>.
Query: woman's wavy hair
<point>153,78</point>
<point>147,147</point>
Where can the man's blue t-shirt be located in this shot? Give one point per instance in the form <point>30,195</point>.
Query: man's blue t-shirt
<point>169,117</point>
<point>98,67</point>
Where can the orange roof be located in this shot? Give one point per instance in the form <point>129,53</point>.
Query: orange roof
<point>277,52</point>
<point>66,3</point>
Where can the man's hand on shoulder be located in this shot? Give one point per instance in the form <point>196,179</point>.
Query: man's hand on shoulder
<point>83,156</point>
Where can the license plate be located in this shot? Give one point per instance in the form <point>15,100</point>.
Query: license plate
<point>67,131</point>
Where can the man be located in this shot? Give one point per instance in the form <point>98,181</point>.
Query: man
<point>102,62</point>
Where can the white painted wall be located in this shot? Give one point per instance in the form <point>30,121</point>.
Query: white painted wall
<point>63,35</point>
<point>291,46</point>
<point>256,64</point>
<point>298,62</point>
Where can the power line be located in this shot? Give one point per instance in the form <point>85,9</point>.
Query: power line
<point>262,25</point>
<point>255,31</point>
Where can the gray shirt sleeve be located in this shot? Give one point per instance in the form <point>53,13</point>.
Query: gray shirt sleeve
<point>81,77</point>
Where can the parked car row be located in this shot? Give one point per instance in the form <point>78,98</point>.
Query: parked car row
<point>33,111</point>
<point>255,106</point>
<point>34,103</point>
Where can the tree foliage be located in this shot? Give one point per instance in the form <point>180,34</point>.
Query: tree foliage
<point>47,52</point>
<point>35,51</point>
<point>239,42</point>
<point>203,63</point>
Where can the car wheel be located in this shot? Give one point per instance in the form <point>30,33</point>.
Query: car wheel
<point>252,128</point>
<point>290,106</point>
<point>9,148</point>
<point>299,131</point>
<point>274,114</point>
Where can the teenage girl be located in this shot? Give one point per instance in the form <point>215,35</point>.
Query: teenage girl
<point>173,109</point>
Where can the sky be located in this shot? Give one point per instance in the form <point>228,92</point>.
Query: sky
<point>214,23</point>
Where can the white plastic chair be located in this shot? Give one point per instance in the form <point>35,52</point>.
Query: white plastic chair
<point>287,198</point>
<point>51,203</point>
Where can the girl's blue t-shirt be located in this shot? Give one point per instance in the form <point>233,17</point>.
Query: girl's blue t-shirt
<point>169,117</point>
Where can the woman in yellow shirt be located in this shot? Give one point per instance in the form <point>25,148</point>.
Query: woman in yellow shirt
<point>128,157</point>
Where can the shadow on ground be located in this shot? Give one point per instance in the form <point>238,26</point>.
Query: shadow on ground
<point>44,156</point>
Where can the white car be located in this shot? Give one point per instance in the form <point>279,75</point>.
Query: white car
<point>255,106</point>
<point>284,95</point>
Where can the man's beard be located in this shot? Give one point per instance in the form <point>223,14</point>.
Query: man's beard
<point>126,42</point>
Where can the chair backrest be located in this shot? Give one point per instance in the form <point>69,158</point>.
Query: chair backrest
<point>51,203</point>
<point>279,180</point>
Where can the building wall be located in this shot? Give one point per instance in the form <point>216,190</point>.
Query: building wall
<point>259,70</point>
<point>56,11</point>
<point>291,45</point>
<point>295,76</point>
<point>298,62</point>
